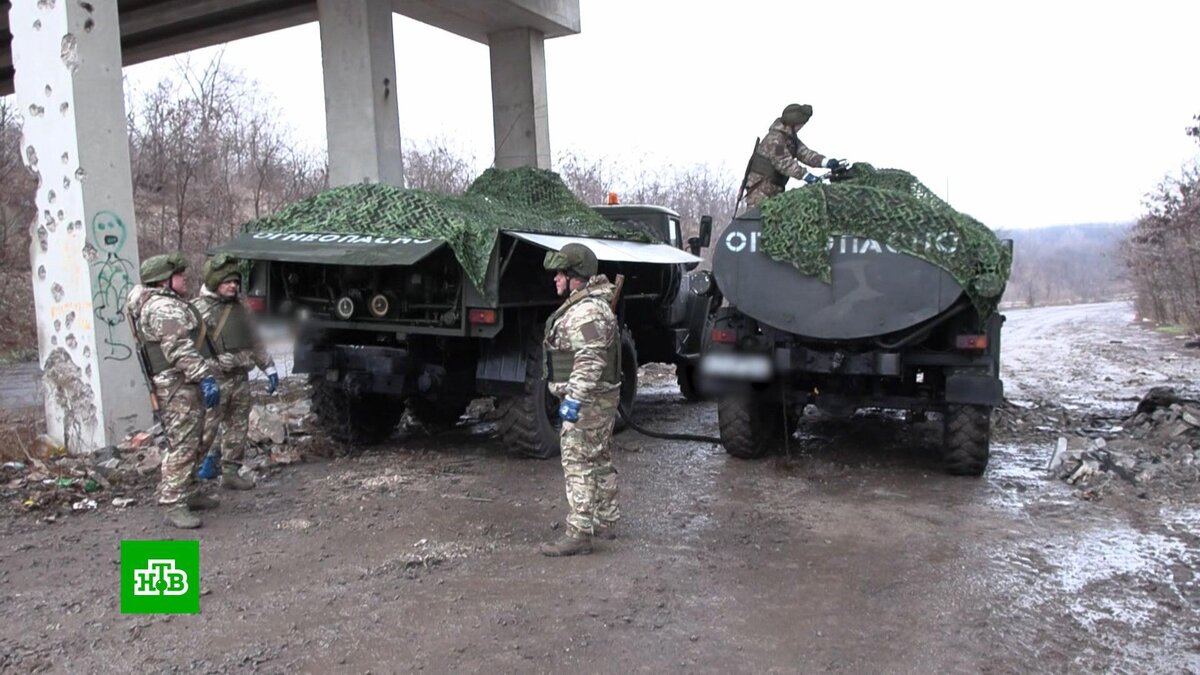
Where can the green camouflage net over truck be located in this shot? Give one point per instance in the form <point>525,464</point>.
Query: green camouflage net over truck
<point>893,208</point>
<point>521,200</point>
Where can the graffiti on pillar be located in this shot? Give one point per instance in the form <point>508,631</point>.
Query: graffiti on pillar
<point>113,281</point>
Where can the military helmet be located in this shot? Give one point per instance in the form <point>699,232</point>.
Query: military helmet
<point>575,259</point>
<point>162,267</point>
<point>218,269</point>
<point>795,113</point>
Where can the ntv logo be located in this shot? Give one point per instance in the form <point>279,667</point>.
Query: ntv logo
<point>160,577</point>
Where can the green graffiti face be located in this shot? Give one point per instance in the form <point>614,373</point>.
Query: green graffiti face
<point>108,231</point>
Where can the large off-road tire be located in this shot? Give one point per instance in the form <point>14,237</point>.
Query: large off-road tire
<point>967,437</point>
<point>361,419</point>
<point>629,378</point>
<point>685,376</point>
<point>529,422</point>
<point>750,424</point>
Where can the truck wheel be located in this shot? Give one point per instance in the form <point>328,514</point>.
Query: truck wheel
<point>967,437</point>
<point>365,418</point>
<point>529,422</point>
<point>685,375</point>
<point>749,425</point>
<point>629,378</point>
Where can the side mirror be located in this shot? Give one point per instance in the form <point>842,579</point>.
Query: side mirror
<point>704,238</point>
<point>705,231</point>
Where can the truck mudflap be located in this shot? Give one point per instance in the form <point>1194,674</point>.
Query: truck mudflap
<point>974,389</point>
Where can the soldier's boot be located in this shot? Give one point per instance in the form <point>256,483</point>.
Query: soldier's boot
<point>568,544</point>
<point>182,517</point>
<point>199,502</point>
<point>606,532</point>
<point>231,480</point>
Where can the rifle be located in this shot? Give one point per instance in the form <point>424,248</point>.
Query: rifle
<point>620,283</point>
<point>144,362</point>
<point>745,176</point>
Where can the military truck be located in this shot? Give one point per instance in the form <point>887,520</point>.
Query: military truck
<point>887,330</point>
<point>395,321</point>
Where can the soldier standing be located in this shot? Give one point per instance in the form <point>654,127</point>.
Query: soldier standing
<point>582,360</point>
<point>237,350</point>
<point>174,355</point>
<point>782,155</point>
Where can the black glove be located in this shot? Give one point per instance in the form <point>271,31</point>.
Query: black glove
<point>832,163</point>
<point>811,178</point>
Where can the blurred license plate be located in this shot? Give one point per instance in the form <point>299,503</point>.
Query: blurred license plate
<point>736,366</point>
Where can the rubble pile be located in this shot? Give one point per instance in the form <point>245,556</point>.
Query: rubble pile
<point>53,483</point>
<point>1155,453</point>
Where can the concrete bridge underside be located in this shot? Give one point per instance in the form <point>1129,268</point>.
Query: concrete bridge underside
<point>63,60</point>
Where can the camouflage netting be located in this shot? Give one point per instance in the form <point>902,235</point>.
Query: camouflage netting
<point>893,208</point>
<point>522,200</point>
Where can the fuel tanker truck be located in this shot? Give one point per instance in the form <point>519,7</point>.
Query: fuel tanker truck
<point>861,291</point>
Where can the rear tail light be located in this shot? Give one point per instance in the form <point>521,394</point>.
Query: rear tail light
<point>482,317</point>
<point>725,336</point>
<point>971,342</point>
<point>256,303</point>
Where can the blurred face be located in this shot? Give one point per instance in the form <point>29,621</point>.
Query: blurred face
<point>561,283</point>
<point>178,283</point>
<point>229,288</point>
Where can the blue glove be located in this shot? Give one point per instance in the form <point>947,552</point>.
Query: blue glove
<point>568,411</point>
<point>811,178</point>
<point>210,468</point>
<point>832,163</point>
<point>272,382</point>
<point>212,393</point>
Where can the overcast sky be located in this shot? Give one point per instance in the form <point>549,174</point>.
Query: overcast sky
<point>1027,113</point>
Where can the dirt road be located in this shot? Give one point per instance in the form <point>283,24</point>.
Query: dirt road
<point>852,554</point>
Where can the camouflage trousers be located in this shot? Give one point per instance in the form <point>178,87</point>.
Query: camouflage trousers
<point>587,466</point>
<point>229,423</point>
<point>761,189</point>
<point>181,408</point>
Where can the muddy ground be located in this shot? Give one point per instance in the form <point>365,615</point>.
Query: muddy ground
<point>853,553</point>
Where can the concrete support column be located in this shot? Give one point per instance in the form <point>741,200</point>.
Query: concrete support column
<point>519,113</point>
<point>362,121</point>
<point>67,58</point>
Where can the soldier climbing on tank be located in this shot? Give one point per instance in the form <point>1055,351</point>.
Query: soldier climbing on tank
<point>582,365</point>
<point>782,155</point>
<point>175,356</point>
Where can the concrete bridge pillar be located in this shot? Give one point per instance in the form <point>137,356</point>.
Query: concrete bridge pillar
<point>520,117</point>
<point>67,61</point>
<point>362,120</point>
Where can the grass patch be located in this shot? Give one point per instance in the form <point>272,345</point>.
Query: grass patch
<point>1172,329</point>
<point>18,355</point>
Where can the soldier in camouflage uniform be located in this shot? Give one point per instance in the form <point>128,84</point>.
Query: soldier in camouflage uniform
<point>782,155</point>
<point>174,353</point>
<point>583,348</point>
<point>237,350</point>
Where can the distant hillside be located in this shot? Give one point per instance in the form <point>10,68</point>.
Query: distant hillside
<point>1067,264</point>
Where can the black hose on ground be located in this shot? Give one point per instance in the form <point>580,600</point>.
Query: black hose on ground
<point>663,435</point>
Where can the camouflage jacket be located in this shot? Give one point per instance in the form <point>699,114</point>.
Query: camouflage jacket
<point>254,353</point>
<point>162,317</point>
<point>586,325</point>
<point>786,153</point>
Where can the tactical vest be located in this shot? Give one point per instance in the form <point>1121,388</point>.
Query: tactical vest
<point>560,363</point>
<point>158,360</point>
<point>761,164</point>
<point>235,334</point>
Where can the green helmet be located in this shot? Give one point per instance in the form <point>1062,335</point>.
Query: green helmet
<point>795,113</point>
<point>219,268</point>
<point>576,260</point>
<point>162,267</point>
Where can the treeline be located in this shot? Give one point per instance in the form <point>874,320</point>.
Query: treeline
<point>1163,250</point>
<point>1066,264</point>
